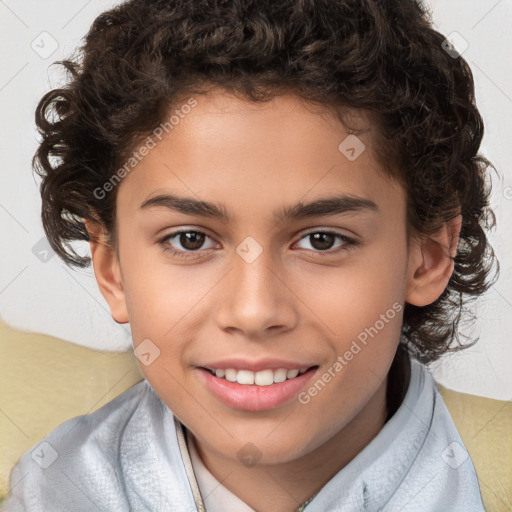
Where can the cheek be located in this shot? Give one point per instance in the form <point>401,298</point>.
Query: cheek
<point>165,304</point>
<point>360,307</point>
<point>352,297</point>
<point>158,293</point>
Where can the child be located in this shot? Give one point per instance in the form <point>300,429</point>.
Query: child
<point>285,201</point>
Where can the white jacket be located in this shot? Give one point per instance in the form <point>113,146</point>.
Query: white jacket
<point>130,455</point>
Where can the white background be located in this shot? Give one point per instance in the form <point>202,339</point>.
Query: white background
<point>50,298</point>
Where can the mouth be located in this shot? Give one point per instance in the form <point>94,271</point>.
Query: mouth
<point>253,391</point>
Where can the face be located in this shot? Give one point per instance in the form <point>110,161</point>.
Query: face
<point>307,270</point>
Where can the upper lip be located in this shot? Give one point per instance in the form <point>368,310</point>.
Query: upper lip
<point>256,365</point>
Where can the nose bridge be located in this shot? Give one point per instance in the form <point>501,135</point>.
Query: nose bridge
<point>254,297</point>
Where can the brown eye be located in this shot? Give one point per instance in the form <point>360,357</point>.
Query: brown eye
<point>322,241</point>
<point>185,242</point>
<point>325,242</point>
<point>191,240</point>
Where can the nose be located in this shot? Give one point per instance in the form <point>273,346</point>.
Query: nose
<point>256,301</point>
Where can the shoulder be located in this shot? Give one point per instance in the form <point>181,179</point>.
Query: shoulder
<point>441,470</point>
<point>79,458</point>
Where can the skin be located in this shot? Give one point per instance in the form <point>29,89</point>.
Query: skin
<point>290,303</point>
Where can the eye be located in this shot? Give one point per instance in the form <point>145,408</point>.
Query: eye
<point>190,241</point>
<point>323,242</point>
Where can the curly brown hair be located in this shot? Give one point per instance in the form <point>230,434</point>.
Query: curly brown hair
<point>139,58</point>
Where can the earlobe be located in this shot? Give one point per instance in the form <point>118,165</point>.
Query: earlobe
<point>107,271</point>
<point>431,263</point>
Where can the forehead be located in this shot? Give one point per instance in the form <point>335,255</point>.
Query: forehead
<point>250,155</point>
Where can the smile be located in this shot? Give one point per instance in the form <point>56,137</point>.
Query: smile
<point>254,391</point>
<point>261,378</point>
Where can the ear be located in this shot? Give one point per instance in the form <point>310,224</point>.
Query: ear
<point>431,263</point>
<point>107,271</point>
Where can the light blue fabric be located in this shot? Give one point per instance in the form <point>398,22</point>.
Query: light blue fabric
<point>125,457</point>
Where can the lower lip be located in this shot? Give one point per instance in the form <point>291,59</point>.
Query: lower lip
<point>252,397</point>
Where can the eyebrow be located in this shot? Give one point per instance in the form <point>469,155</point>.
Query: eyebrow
<point>334,205</point>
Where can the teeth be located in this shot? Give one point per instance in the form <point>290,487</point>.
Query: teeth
<point>264,378</point>
<point>231,375</point>
<point>261,378</point>
<point>245,377</point>
<point>280,375</point>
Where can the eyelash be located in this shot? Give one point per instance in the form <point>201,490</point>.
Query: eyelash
<point>349,243</point>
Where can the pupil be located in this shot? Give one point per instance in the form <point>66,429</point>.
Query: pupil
<point>319,240</point>
<point>191,240</point>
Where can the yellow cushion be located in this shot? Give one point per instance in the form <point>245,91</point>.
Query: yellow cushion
<point>485,426</point>
<point>44,381</point>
